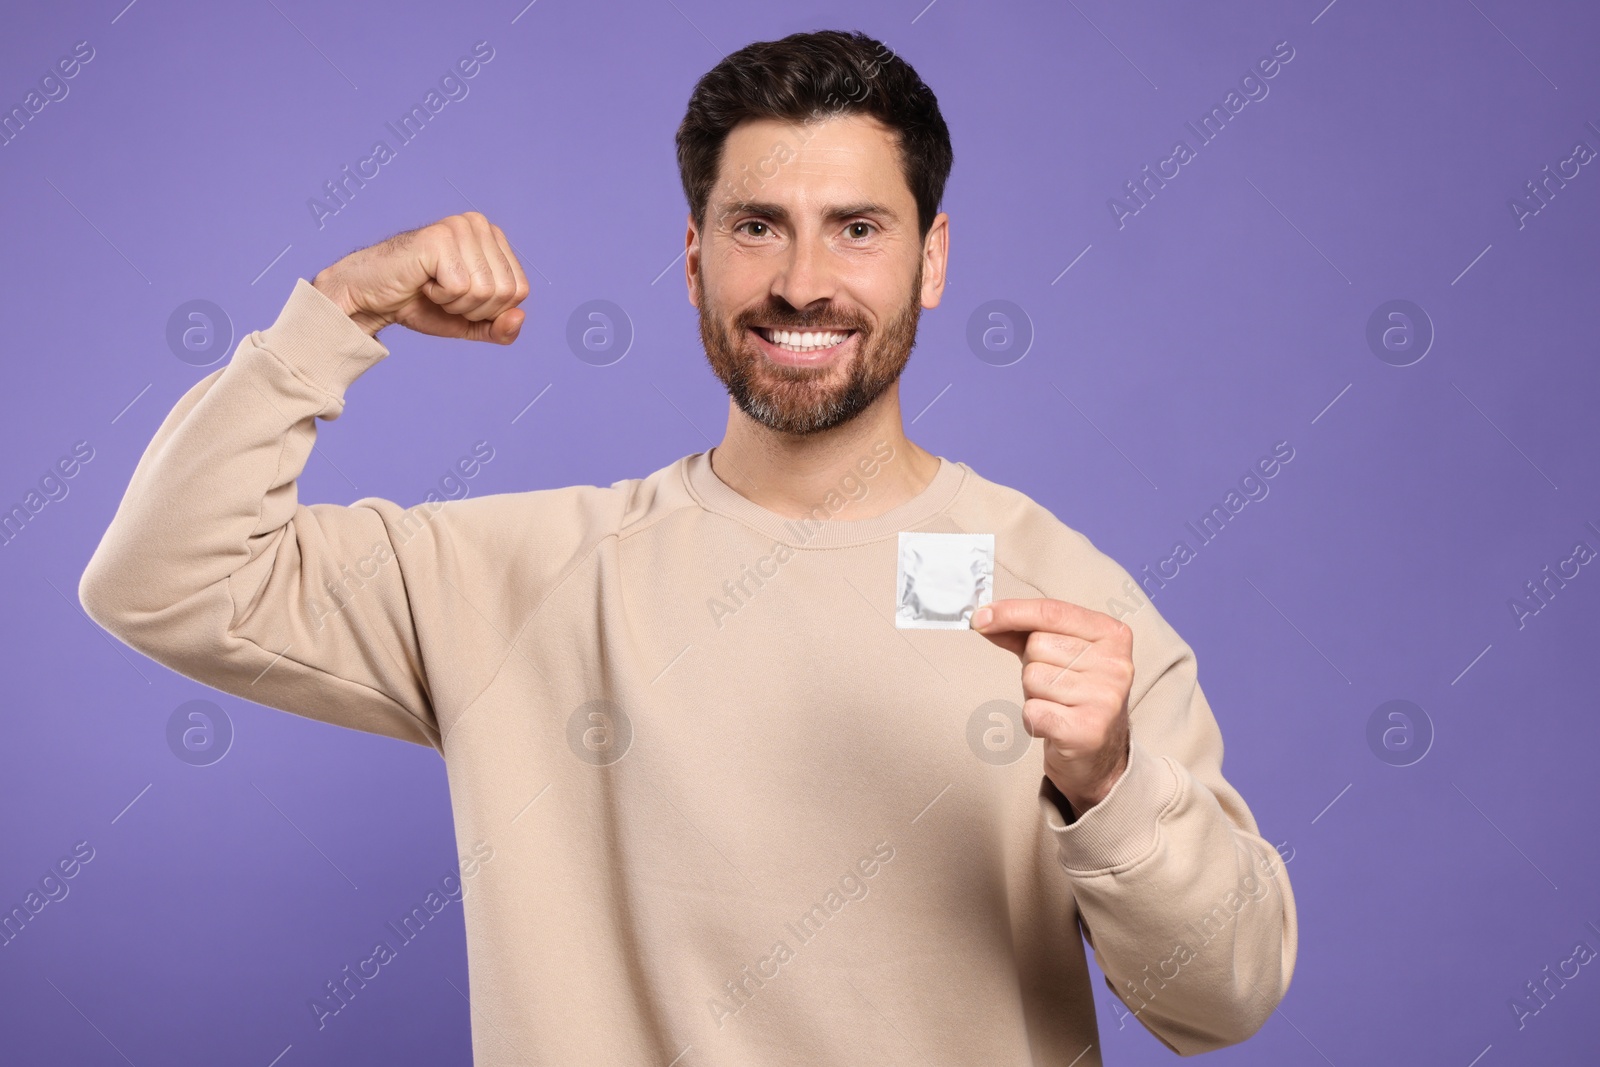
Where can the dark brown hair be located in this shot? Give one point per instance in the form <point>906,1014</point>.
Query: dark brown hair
<point>813,76</point>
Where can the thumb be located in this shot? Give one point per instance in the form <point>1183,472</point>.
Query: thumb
<point>1015,641</point>
<point>502,329</point>
<point>508,325</point>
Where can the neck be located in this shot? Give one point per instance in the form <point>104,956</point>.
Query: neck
<point>790,475</point>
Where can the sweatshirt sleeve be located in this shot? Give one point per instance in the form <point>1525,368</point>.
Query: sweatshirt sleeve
<point>212,567</point>
<point>1188,910</point>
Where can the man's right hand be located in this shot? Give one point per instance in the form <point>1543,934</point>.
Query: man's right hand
<point>454,278</point>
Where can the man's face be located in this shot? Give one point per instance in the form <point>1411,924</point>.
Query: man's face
<point>811,229</point>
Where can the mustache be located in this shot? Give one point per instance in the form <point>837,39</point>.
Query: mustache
<point>781,321</point>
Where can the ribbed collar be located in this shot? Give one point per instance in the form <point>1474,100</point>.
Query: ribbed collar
<point>717,496</point>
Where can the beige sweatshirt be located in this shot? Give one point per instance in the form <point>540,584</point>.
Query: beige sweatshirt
<point>736,815</point>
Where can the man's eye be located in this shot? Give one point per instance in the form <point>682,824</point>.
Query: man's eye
<point>750,222</point>
<point>853,225</point>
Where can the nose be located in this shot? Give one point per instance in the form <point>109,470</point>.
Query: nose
<point>807,274</point>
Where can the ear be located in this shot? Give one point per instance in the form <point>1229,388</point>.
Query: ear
<point>935,260</point>
<point>691,262</point>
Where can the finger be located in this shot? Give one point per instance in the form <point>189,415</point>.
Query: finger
<point>1045,613</point>
<point>449,278</point>
<point>523,288</point>
<point>1073,688</point>
<point>1012,641</point>
<point>505,283</point>
<point>1107,662</point>
<point>1075,735</point>
<point>1047,719</point>
<point>1062,651</point>
<point>1046,681</point>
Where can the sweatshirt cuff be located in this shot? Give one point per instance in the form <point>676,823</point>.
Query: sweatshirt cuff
<point>1122,829</point>
<point>320,343</point>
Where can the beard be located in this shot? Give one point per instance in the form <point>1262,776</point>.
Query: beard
<point>807,400</point>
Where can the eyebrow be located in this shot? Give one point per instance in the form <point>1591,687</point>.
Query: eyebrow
<point>835,213</point>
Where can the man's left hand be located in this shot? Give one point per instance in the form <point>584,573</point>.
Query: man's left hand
<point>1077,670</point>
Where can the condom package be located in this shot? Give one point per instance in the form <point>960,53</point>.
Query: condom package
<point>941,579</point>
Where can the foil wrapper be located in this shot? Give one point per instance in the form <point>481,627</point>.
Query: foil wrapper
<point>941,579</point>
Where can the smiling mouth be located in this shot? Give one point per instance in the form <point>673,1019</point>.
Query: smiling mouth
<point>802,342</point>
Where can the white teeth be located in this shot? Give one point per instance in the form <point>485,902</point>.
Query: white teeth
<point>806,340</point>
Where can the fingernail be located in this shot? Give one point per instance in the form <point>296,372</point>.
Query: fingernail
<point>981,617</point>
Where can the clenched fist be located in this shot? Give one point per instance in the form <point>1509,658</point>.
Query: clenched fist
<point>454,278</point>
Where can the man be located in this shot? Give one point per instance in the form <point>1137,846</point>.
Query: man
<point>738,813</point>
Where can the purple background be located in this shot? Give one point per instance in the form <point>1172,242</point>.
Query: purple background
<point>1229,314</point>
